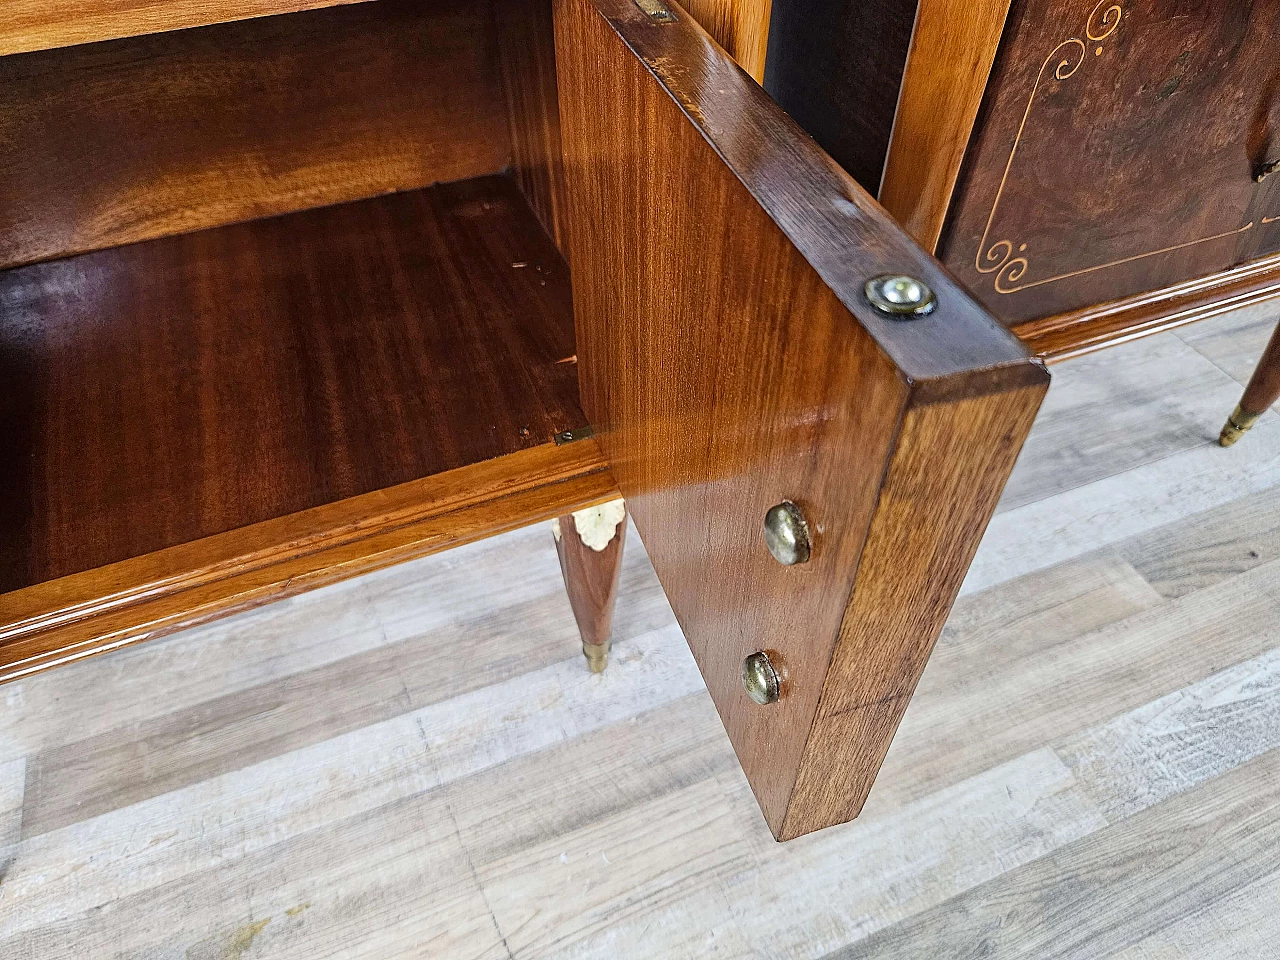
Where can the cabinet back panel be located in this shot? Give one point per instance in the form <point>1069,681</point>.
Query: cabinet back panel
<point>113,143</point>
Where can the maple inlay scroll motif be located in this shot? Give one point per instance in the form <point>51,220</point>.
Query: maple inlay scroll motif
<point>1009,261</point>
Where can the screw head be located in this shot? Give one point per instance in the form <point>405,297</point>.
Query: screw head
<point>901,296</point>
<point>786,534</point>
<point>760,679</point>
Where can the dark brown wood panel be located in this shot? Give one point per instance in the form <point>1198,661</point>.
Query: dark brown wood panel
<point>836,66</point>
<point>118,142</point>
<point>45,24</point>
<point>163,392</point>
<point>1116,152</point>
<point>729,361</point>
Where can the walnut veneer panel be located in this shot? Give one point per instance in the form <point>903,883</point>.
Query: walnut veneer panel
<point>163,392</point>
<point>730,361</point>
<point>1116,152</point>
<point>118,142</point>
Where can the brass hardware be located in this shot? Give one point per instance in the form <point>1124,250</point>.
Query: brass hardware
<point>760,679</point>
<point>656,10</point>
<point>1267,169</point>
<point>597,655</point>
<point>1238,424</point>
<point>901,296</point>
<point>786,534</point>
<point>568,436</point>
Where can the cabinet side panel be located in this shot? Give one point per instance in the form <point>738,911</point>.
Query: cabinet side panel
<point>526,46</point>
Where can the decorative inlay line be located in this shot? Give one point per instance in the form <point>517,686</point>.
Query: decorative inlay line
<point>1010,266</point>
<point>1266,220</point>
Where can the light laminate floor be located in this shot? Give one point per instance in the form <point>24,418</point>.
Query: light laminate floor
<point>417,764</point>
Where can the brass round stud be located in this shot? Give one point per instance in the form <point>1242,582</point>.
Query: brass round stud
<point>900,296</point>
<point>760,679</point>
<point>786,534</point>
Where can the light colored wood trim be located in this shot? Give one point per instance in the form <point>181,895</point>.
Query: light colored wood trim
<point>29,25</point>
<point>1068,335</point>
<point>99,610</point>
<point>948,65</point>
<point>740,26</point>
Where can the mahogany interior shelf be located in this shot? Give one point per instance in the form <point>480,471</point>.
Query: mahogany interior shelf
<point>29,25</point>
<point>172,390</point>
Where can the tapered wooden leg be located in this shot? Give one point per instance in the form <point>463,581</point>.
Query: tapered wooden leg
<point>589,544</point>
<point>1263,391</point>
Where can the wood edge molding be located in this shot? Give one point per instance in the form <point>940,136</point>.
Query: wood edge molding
<point>37,25</point>
<point>941,486</point>
<point>953,48</point>
<point>53,623</point>
<point>1066,335</point>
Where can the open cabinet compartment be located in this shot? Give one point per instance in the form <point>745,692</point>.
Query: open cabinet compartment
<point>286,301</point>
<point>274,311</point>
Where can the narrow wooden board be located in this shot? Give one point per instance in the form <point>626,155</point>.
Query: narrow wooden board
<point>729,360</point>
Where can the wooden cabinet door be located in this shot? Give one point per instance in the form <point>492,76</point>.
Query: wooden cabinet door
<point>1117,151</point>
<point>730,361</point>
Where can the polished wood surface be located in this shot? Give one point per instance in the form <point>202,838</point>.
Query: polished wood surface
<point>1117,153</point>
<point>949,62</point>
<point>1088,768</point>
<point>1071,334</point>
<point>164,392</point>
<point>60,621</point>
<point>120,142</point>
<point>44,24</point>
<point>1264,386</point>
<point>836,66</point>
<point>729,361</point>
<point>591,573</point>
<point>527,54</point>
<point>740,26</point>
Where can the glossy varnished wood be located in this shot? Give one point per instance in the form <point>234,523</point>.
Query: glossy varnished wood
<point>44,24</point>
<point>1067,335</point>
<point>527,54</point>
<point>952,48</point>
<point>730,361</point>
<point>591,572</point>
<point>1264,386</point>
<point>77,616</point>
<point>1116,153</point>
<point>164,392</point>
<point>120,142</point>
<point>740,26</point>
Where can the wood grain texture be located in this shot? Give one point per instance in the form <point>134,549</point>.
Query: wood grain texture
<point>181,823</point>
<point>1071,334</point>
<point>934,504</point>
<point>1264,386</point>
<point>120,142</point>
<point>45,24</point>
<point>711,390</point>
<point>1116,153</point>
<point>82,614</point>
<point>164,392</point>
<point>527,56</point>
<point>837,68</point>
<point>591,580</point>
<point>948,64</point>
<point>740,26</point>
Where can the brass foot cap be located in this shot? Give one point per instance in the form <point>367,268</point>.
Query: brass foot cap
<point>597,656</point>
<point>1237,425</point>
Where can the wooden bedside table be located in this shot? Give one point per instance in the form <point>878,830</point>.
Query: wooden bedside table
<point>288,298</point>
